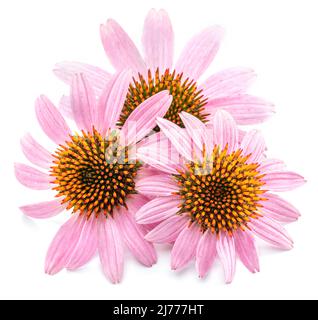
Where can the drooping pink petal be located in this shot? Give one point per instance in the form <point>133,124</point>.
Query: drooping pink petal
<point>158,209</point>
<point>158,40</point>
<point>63,244</point>
<point>283,180</point>
<point>51,121</point>
<point>168,230</point>
<point>110,249</point>
<point>133,236</point>
<point>271,232</point>
<point>206,253</point>
<point>246,250</point>
<point>271,165</point>
<point>34,152</point>
<point>253,143</point>
<point>245,109</point>
<point>83,102</point>
<point>200,52</point>
<point>224,130</point>
<point>156,186</point>
<point>185,246</point>
<point>86,246</point>
<point>43,210</point>
<point>278,209</point>
<point>143,119</point>
<point>196,129</point>
<point>97,77</point>
<point>112,100</point>
<point>65,107</point>
<point>225,248</point>
<point>228,82</point>
<point>31,177</point>
<point>178,137</point>
<point>120,49</point>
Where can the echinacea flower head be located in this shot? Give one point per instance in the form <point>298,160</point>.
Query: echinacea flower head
<point>92,174</point>
<point>155,71</point>
<point>218,197</point>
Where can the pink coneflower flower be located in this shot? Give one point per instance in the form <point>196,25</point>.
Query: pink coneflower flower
<point>91,173</point>
<point>215,201</point>
<point>155,71</point>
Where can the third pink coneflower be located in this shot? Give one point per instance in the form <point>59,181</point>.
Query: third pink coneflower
<point>218,198</point>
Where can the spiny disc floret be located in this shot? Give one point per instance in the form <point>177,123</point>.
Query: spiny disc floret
<point>221,193</point>
<point>186,96</point>
<point>93,174</point>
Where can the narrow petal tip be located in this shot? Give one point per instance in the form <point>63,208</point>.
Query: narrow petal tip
<point>49,270</point>
<point>174,267</point>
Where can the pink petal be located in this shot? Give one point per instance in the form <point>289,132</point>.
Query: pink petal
<point>135,202</point>
<point>158,185</point>
<point>200,52</point>
<point>168,230</point>
<point>86,246</point>
<point>185,246</point>
<point>224,131</point>
<point>31,177</point>
<point>147,171</point>
<point>154,140</point>
<point>63,244</point>
<point>158,209</point>
<point>143,119</point>
<point>246,250</point>
<point>225,248</point>
<point>178,137</point>
<point>51,121</point>
<point>112,100</point>
<point>271,165</point>
<point>43,210</point>
<point>65,107</point>
<point>283,180</point>
<point>158,152</point>
<point>35,152</point>
<point>157,161</point>
<point>120,49</point>
<point>83,103</point>
<point>241,135</point>
<point>228,82</point>
<point>111,249</point>
<point>245,109</point>
<point>279,209</point>
<point>271,232</point>
<point>196,129</point>
<point>206,253</point>
<point>253,143</point>
<point>134,239</point>
<point>158,40</point>
<point>97,77</point>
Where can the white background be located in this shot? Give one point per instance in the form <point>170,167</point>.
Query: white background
<point>279,39</point>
